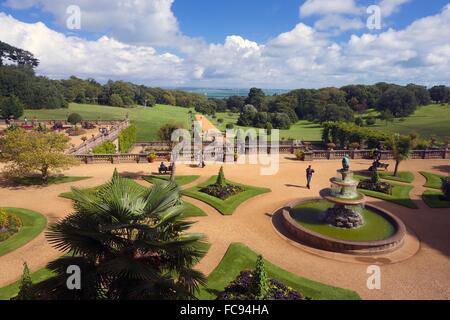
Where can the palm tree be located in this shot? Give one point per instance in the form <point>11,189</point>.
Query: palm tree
<point>401,149</point>
<point>129,242</point>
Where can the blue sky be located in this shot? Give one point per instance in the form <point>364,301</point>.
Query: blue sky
<point>235,43</point>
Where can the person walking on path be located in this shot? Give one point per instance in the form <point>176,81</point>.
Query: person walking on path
<point>309,174</point>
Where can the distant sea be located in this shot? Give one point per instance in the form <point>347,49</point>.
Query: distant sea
<point>226,93</point>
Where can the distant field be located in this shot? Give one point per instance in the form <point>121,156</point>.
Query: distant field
<point>426,121</point>
<point>147,120</point>
<point>302,130</point>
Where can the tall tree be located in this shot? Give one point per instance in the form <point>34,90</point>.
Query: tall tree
<point>11,107</point>
<point>25,286</point>
<point>130,243</point>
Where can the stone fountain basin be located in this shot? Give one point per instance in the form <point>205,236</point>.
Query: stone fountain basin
<point>327,243</point>
<point>327,195</point>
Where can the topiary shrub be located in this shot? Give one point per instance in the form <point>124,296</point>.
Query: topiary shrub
<point>446,187</point>
<point>220,120</point>
<point>74,119</point>
<point>259,286</point>
<point>221,181</point>
<point>3,219</point>
<point>230,126</point>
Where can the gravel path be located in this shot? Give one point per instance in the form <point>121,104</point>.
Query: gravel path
<point>426,275</point>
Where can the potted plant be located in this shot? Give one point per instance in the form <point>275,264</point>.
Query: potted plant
<point>152,157</point>
<point>331,146</point>
<point>299,154</point>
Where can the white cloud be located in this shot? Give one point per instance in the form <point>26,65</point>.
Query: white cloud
<point>389,7</point>
<point>301,57</point>
<point>327,7</point>
<point>149,22</point>
<point>62,56</point>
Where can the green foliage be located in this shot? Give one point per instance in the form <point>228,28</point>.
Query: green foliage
<point>28,152</point>
<point>119,235</point>
<point>230,126</point>
<point>74,118</point>
<point>401,147</point>
<point>3,218</point>
<point>260,281</point>
<point>19,56</point>
<point>399,101</point>
<point>299,154</point>
<point>446,187</point>
<point>221,181</point>
<point>106,147</point>
<point>127,139</point>
<point>165,132</point>
<point>116,100</point>
<point>346,133</point>
<point>25,292</point>
<point>375,176</point>
<point>11,107</point>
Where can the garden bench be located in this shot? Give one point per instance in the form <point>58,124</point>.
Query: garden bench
<point>379,166</point>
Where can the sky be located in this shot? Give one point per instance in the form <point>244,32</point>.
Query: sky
<point>281,44</point>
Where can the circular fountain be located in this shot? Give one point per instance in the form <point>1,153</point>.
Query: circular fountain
<point>341,221</point>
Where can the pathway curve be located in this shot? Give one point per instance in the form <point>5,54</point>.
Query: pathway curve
<point>424,276</point>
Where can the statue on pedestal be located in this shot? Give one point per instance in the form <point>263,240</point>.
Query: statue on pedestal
<point>346,163</point>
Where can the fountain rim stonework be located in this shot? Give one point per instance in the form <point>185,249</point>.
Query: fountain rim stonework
<point>347,206</point>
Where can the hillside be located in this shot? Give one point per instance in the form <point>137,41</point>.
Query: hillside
<point>147,120</point>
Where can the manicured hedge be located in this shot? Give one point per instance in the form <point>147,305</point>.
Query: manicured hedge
<point>343,134</point>
<point>105,148</point>
<point>127,139</point>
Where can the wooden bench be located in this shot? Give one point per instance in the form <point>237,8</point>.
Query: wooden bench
<point>165,171</point>
<point>379,166</point>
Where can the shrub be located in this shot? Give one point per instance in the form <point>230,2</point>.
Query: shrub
<point>230,126</point>
<point>355,145</point>
<point>370,121</point>
<point>446,187</point>
<point>74,119</point>
<point>166,131</point>
<point>259,286</point>
<point>127,139</point>
<point>220,120</point>
<point>11,107</point>
<point>152,157</point>
<point>359,122</point>
<point>105,148</point>
<point>221,178</point>
<point>300,154</point>
<point>25,287</point>
<point>3,218</point>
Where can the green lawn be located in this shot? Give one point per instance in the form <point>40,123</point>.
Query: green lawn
<point>147,120</point>
<point>228,206</point>
<point>239,258</point>
<point>12,290</point>
<point>405,176</point>
<point>33,224</point>
<point>37,181</point>
<point>434,181</point>
<point>180,180</point>
<point>426,121</point>
<point>302,130</point>
<point>400,194</point>
<point>434,200</point>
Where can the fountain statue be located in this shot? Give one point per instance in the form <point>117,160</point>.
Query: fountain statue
<point>348,202</point>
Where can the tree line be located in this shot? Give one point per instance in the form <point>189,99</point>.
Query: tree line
<point>20,88</point>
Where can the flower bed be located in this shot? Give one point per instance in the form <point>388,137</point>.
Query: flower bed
<point>379,186</point>
<point>222,192</point>
<point>240,289</point>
